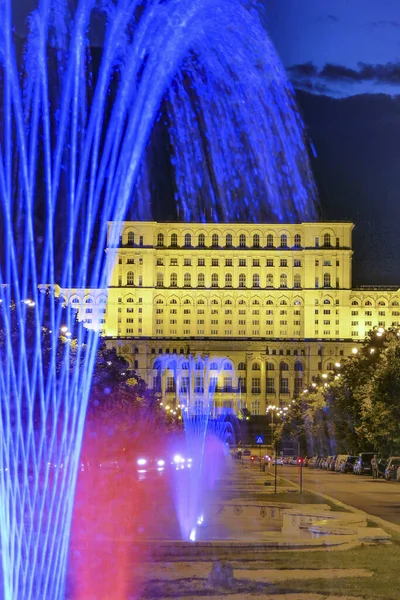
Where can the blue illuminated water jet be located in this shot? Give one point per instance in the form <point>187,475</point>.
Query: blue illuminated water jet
<point>73,137</point>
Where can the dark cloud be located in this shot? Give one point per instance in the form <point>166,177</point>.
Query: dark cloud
<point>388,73</point>
<point>384,23</point>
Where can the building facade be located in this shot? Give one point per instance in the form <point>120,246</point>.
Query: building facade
<point>251,312</point>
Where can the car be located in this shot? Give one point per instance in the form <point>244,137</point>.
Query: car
<point>312,462</point>
<point>363,463</point>
<point>339,460</point>
<point>332,463</point>
<point>392,467</point>
<point>347,465</point>
<point>246,452</point>
<point>382,464</point>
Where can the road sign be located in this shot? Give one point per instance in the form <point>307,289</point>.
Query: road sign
<point>259,439</point>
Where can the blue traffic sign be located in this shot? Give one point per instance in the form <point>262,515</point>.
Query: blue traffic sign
<point>259,439</point>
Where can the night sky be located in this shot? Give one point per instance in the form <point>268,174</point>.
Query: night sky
<point>338,47</point>
<point>343,57</point>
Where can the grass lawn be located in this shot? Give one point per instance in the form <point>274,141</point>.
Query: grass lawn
<point>383,560</point>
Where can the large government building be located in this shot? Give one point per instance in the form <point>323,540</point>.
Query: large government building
<point>252,311</point>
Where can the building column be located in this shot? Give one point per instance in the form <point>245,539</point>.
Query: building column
<point>263,404</point>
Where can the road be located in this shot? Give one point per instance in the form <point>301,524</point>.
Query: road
<point>375,496</point>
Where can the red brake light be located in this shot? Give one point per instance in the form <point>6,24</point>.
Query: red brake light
<point>251,457</point>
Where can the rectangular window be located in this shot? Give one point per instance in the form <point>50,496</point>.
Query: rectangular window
<point>130,261</point>
<point>200,311</point>
<point>242,262</point>
<point>327,311</point>
<point>283,312</point>
<point>297,262</point>
<point>354,334</point>
<point>255,385</point>
<point>228,321</point>
<point>201,262</point>
<point>283,262</point>
<point>298,386</point>
<point>200,321</point>
<point>159,321</point>
<point>255,312</point>
<point>368,323</point>
<point>368,313</point>
<point>170,385</point>
<point>354,323</point>
<point>256,262</point>
<point>228,262</point>
<point>316,282</point>
<point>173,322</point>
<point>242,322</point>
<point>214,321</point>
<point>255,322</point>
<point>354,313</point>
<point>173,311</point>
<point>284,385</point>
<point>327,322</point>
<point>284,322</point>
<point>187,262</point>
<point>270,262</point>
<point>187,311</point>
<point>214,331</point>
<point>381,313</point>
<point>159,311</point>
<point>129,320</point>
<point>185,385</point>
<point>269,322</point>
<point>296,323</point>
<point>242,312</point>
<point>327,332</point>
<point>228,311</point>
<point>270,385</point>
<point>186,321</point>
<point>214,262</point>
<point>199,385</point>
<point>227,384</point>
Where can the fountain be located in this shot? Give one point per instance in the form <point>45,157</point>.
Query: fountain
<point>74,133</point>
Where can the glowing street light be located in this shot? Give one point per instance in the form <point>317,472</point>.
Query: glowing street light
<point>354,350</point>
<point>338,365</point>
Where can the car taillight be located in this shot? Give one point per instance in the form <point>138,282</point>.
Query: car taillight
<point>251,457</point>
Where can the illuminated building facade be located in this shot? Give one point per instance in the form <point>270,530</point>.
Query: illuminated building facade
<point>268,306</point>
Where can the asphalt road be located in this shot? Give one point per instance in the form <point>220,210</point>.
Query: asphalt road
<point>375,496</point>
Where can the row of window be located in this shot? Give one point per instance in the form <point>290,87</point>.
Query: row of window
<point>228,280</point>
<point>242,262</point>
<point>242,241</point>
<point>227,385</point>
<point>225,366</point>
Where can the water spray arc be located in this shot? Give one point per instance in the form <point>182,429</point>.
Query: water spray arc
<point>73,136</point>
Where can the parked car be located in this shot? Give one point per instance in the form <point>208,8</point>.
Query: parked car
<point>363,464</point>
<point>382,464</point>
<point>391,468</point>
<point>246,452</point>
<point>347,465</point>
<point>339,460</point>
<point>332,463</point>
<point>312,462</point>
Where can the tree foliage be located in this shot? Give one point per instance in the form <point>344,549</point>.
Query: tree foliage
<point>356,407</point>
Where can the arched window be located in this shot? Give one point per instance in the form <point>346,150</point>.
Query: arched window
<point>200,301</point>
<point>75,300</point>
<point>395,303</point>
<point>270,280</point>
<point>297,240</point>
<point>187,301</point>
<point>174,240</point>
<point>297,302</point>
<point>214,301</point>
<point>283,280</point>
<point>327,240</point>
<point>270,366</point>
<point>257,302</point>
<point>256,240</point>
<point>284,366</point>
<point>130,278</point>
<point>160,280</point>
<point>327,280</point>
<point>130,299</point>
<point>157,364</point>
<point>241,302</point>
<point>228,302</point>
<point>159,301</point>
<point>200,280</point>
<point>241,366</point>
<point>298,366</point>
<point>284,240</point>
<point>228,280</point>
<point>214,280</point>
<point>188,240</point>
<point>256,280</point>
<point>228,240</point>
<point>283,303</point>
<point>368,303</point>
<point>269,302</point>
<point>88,300</point>
<point>297,281</point>
<point>187,280</point>
<point>185,366</point>
<point>201,240</point>
<point>213,366</point>
<point>160,239</point>
<point>270,240</point>
<point>355,303</point>
<point>173,280</point>
<point>199,366</point>
<point>228,366</point>
<point>242,241</point>
<point>256,366</point>
<point>381,303</point>
<point>242,280</point>
<point>215,240</point>
<point>131,238</point>
<point>330,366</point>
<point>173,301</point>
<point>327,301</point>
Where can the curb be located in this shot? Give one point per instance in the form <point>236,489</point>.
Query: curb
<point>378,520</point>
